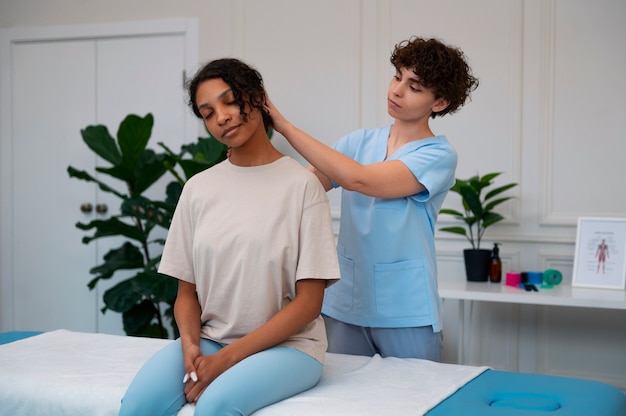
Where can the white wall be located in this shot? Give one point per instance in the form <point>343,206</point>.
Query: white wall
<point>548,113</point>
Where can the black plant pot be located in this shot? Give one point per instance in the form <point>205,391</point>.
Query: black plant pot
<point>477,264</point>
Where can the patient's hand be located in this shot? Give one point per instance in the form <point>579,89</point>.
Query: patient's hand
<point>190,354</point>
<point>208,368</point>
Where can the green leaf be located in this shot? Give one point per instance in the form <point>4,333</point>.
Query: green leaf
<point>144,285</point>
<point>81,174</point>
<point>488,178</point>
<point>150,331</point>
<point>451,212</point>
<point>499,190</point>
<point>132,137</point>
<point>470,220</point>
<point>476,184</point>
<point>193,166</point>
<point>138,320</point>
<point>472,200</point>
<point>123,296</point>
<point>495,203</point>
<point>206,152</point>
<point>173,191</point>
<point>210,150</point>
<point>153,264</point>
<point>165,289</point>
<point>455,230</point>
<point>111,227</point>
<point>491,219</point>
<point>458,184</point>
<point>159,287</point>
<point>120,172</point>
<point>100,141</point>
<point>136,297</point>
<point>149,169</point>
<point>125,257</point>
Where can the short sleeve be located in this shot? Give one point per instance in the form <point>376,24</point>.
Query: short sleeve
<point>177,257</point>
<point>318,255</point>
<point>434,165</point>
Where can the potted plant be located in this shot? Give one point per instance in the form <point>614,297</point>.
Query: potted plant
<point>145,299</point>
<point>478,214</point>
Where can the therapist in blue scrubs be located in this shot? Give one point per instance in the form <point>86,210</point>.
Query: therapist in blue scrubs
<point>394,180</point>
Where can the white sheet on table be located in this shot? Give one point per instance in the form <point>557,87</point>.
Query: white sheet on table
<point>75,373</point>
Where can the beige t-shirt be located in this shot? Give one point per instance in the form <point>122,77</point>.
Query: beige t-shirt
<point>244,236</point>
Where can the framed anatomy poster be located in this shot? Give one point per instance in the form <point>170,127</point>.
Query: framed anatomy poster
<point>600,258</point>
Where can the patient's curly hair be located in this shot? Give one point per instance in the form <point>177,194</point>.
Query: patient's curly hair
<point>440,68</point>
<point>245,82</point>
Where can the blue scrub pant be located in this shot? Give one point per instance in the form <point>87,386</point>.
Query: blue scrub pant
<point>413,342</point>
<point>257,381</point>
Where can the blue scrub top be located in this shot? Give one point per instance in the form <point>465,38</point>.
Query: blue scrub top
<point>386,246</point>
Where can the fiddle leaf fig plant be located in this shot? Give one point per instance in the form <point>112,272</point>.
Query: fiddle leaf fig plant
<point>478,206</point>
<point>146,299</point>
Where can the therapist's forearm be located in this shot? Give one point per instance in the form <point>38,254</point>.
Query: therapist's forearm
<point>334,165</point>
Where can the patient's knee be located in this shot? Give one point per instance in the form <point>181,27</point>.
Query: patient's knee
<point>133,407</point>
<point>219,405</point>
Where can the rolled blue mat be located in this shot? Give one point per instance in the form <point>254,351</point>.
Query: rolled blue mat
<point>534,278</point>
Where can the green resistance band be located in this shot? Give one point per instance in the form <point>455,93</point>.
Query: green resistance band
<point>551,278</point>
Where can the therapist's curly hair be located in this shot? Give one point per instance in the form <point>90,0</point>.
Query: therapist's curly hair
<point>441,68</point>
<point>245,82</point>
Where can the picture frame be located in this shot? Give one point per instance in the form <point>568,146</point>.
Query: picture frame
<point>600,257</point>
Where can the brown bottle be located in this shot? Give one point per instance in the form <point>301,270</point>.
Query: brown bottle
<point>495,265</point>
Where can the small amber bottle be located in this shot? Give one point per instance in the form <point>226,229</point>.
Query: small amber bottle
<point>495,265</point>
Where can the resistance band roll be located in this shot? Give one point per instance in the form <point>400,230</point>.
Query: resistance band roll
<point>513,279</point>
<point>552,277</point>
<point>534,278</point>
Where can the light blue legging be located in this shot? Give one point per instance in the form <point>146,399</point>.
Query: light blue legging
<point>258,381</point>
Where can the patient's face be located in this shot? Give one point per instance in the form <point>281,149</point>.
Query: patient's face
<point>222,116</point>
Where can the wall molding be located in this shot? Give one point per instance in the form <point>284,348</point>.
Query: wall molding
<point>547,89</point>
<point>516,52</point>
<point>513,238</point>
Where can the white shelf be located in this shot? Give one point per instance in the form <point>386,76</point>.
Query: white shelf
<point>560,295</point>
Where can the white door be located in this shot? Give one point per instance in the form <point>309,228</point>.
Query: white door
<point>58,86</point>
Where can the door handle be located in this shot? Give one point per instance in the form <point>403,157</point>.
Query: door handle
<point>86,207</point>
